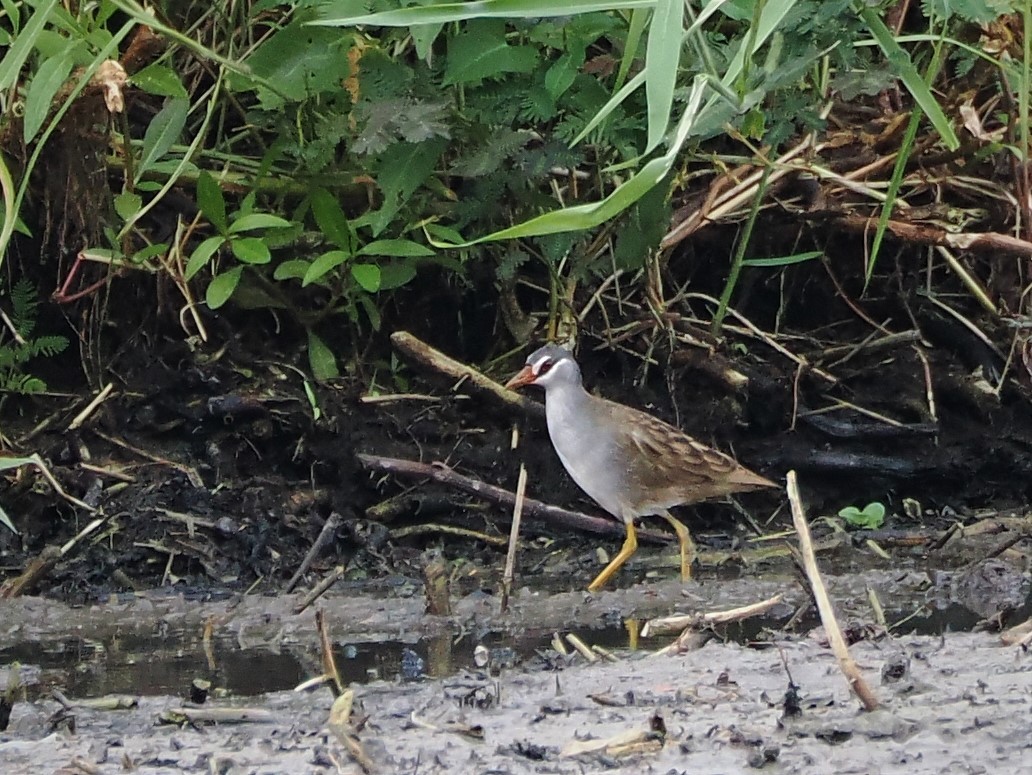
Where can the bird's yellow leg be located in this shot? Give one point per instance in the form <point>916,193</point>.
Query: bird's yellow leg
<point>630,546</point>
<point>684,538</point>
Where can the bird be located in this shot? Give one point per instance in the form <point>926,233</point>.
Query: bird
<point>629,462</point>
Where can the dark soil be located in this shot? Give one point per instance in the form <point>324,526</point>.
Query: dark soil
<point>238,423</point>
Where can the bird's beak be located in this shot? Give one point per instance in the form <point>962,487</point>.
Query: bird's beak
<point>523,377</point>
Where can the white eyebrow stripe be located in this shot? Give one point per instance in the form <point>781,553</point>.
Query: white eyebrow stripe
<point>536,365</point>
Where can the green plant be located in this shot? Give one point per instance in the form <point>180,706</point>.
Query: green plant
<point>17,350</point>
<point>870,517</point>
<point>244,232</point>
<point>706,83</point>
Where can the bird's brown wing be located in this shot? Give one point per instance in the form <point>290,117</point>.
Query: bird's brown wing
<point>672,465</point>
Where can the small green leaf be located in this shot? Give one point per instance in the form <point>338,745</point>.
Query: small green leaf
<point>159,79</point>
<point>50,76</point>
<point>257,221</point>
<point>313,400</point>
<point>441,233</point>
<point>211,201</point>
<point>331,220</point>
<point>395,274</point>
<point>294,269</point>
<point>251,250</point>
<point>324,264</point>
<point>127,204</point>
<point>222,287</point>
<point>148,252</point>
<point>395,247</point>
<point>162,133</point>
<point>321,358</point>
<point>871,517</point>
<point>367,276</point>
<point>201,254</point>
<point>560,76</point>
<point>372,312</point>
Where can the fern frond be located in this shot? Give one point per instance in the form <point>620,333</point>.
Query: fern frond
<point>48,345</point>
<point>24,307</point>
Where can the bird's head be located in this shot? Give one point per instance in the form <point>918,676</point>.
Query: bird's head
<point>547,367</point>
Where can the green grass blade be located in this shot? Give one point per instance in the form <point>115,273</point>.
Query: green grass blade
<point>661,59</point>
<point>336,14</point>
<point>639,18</point>
<point>795,258</point>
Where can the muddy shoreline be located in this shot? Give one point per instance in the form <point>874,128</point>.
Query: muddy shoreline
<point>956,702</point>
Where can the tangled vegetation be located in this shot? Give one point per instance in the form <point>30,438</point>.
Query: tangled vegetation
<point>330,152</point>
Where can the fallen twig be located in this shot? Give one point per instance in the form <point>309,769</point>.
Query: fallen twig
<point>426,357</point>
<point>217,716</point>
<point>665,625</point>
<point>91,407</point>
<point>320,589</point>
<point>326,535</point>
<point>820,593</point>
<point>559,517</point>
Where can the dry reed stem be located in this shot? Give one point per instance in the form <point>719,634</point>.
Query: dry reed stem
<point>820,593</point>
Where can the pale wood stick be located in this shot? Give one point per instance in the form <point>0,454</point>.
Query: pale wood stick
<point>677,622</point>
<point>423,355</point>
<point>820,593</point>
<point>514,535</point>
<point>91,407</point>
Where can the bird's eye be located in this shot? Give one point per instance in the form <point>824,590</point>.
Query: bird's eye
<point>544,367</point>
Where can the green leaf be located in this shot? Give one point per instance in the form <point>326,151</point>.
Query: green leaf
<point>251,250</point>
<point>871,517</point>
<point>300,61</point>
<point>340,13</point>
<point>294,269</point>
<point>50,77</point>
<point>395,274</point>
<point>203,252</point>
<point>408,166</point>
<point>222,287</point>
<point>257,221</point>
<point>662,55</point>
<point>159,79</point>
<point>163,132</point>
<point>312,399</point>
<point>440,233</point>
<point>560,76</point>
<point>367,276</point>
<point>127,204</point>
<point>148,252</point>
<point>24,41</point>
<point>482,51</point>
<point>330,219</point>
<point>796,258</point>
<point>324,264</point>
<point>321,358</point>
<point>395,247</point>
<point>211,201</point>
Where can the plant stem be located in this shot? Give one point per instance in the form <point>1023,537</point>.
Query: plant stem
<point>739,257</point>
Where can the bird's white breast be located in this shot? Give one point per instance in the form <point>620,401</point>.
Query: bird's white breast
<point>585,447</point>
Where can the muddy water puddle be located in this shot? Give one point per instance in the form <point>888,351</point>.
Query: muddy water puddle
<point>166,663</point>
